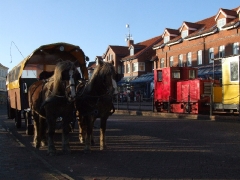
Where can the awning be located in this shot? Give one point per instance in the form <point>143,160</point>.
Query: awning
<point>145,78</point>
<point>208,70</point>
<point>126,80</point>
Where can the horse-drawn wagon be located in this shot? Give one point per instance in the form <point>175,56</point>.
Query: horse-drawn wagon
<point>39,64</point>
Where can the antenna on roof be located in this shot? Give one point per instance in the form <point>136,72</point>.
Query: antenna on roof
<point>128,36</point>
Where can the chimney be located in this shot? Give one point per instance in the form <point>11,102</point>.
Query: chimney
<point>130,42</point>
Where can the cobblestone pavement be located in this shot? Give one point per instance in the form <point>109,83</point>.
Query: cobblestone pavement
<point>139,147</point>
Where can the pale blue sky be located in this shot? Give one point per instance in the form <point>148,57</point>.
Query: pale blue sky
<point>93,24</point>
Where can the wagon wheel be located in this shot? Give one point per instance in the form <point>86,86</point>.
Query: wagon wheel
<point>18,119</point>
<point>28,123</point>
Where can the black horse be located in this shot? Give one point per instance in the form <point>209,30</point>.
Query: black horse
<point>52,100</point>
<point>94,100</point>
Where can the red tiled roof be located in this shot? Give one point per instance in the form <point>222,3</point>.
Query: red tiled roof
<point>145,46</point>
<point>230,12</point>
<point>120,50</point>
<point>99,57</point>
<point>172,31</point>
<point>190,25</point>
<point>204,26</point>
<point>232,23</point>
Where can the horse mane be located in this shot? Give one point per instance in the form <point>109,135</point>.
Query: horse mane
<point>57,77</point>
<point>102,70</point>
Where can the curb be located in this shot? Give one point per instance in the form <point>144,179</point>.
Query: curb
<point>180,116</point>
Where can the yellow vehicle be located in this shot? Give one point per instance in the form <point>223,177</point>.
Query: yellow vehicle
<point>226,97</point>
<point>41,61</point>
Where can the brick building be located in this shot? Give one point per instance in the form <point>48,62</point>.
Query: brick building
<point>197,44</point>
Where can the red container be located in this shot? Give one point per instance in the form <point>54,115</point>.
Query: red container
<point>193,90</point>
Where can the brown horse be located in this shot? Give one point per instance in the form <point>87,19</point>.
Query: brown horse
<point>52,100</point>
<point>95,101</point>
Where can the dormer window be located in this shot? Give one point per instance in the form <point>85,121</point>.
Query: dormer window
<point>131,51</point>
<point>184,33</point>
<point>166,39</point>
<point>221,23</point>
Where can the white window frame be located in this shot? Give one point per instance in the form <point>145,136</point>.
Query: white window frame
<point>236,48</point>
<point>189,59</point>
<point>184,33</point>
<point>171,61</point>
<point>221,22</point>
<point>135,67</point>
<point>199,56</point>
<point>180,60</point>
<point>211,55</point>
<point>128,68</point>
<point>221,52</point>
<point>162,63</point>
<point>166,39</point>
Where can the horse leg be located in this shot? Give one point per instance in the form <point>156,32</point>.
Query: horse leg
<point>88,138</point>
<point>103,125</point>
<point>65,135</point>
<point>43,131</point>
<point>36,137</point>
<point>82,129</point>
<point>51,122</point>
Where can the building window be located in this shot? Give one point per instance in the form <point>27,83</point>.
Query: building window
<point>221,51</point>
<point>180,60</point>
<point>199,56</point>
<point>162,63</point>
<point>128,68</point>
<point>221,23</point>
<point>166,39</point>
<point>141,66</point>
<point>189,59</point>
<point>235,48</point>
<point>123,69</point>
<point>138,66</point>
<point>234,71</point>
<point>211,55</point>
<point>159,75</point>
<point>111,57</point>
<point>135,67</point>
<point>171,61</point>
<point>131,51</point>
<point>184,33</point>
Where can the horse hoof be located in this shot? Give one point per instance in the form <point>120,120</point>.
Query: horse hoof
<point>37,145</point>
<point>44,143</point>
<point>82,142</point>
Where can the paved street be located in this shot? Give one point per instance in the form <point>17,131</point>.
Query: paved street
<point>139,147</point>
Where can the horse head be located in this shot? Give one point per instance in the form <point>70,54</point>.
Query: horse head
<point>107,74</point>
<point>65,78</point>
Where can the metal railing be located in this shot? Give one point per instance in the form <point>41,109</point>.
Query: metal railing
<point>140,104</point>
